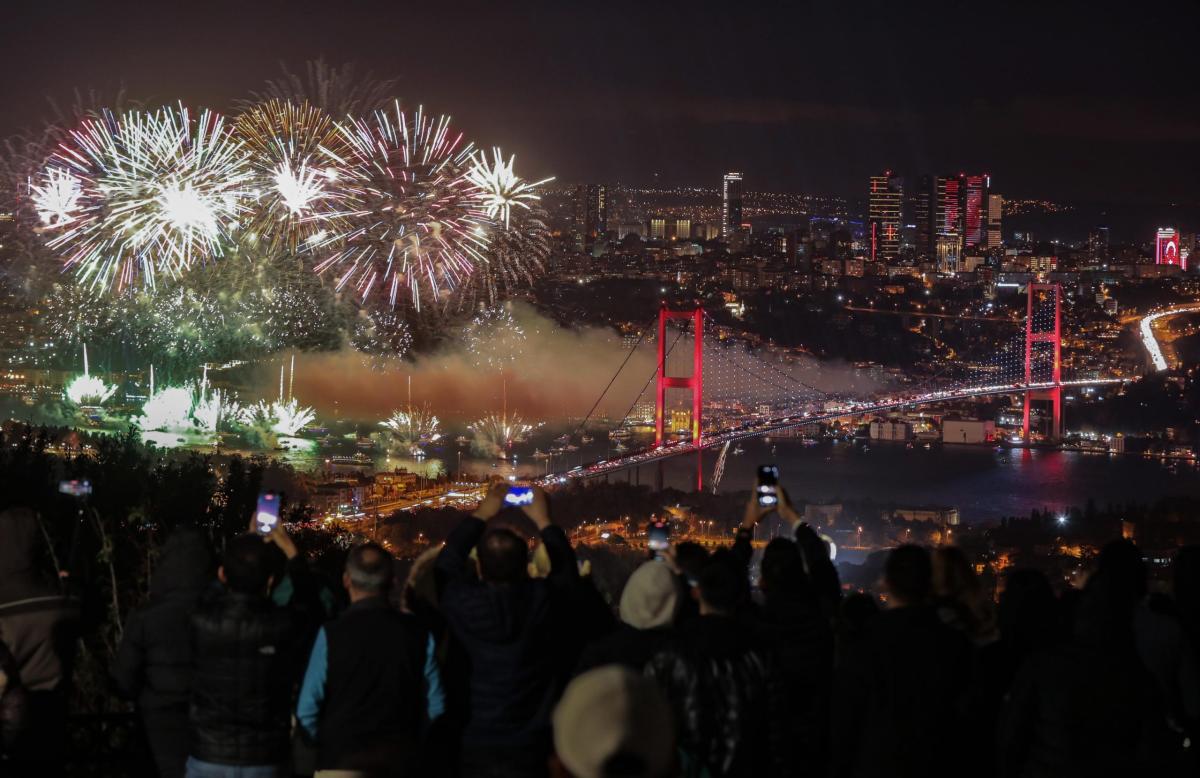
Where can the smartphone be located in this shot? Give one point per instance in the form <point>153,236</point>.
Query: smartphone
<point>658,537</point>
<point>768,486</point>
<point>266,515</point>
<point>75,488</point>
<point>519,495</point>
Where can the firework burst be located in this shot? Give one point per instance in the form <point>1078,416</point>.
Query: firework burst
<point>158,192</point>
<point>493,338</point>
<point>412,427</point>
<point>88,390</point>
<point>289,146</point>
<point>496,433</point>
<point>413,220</point>
<point>499,188</point>
<point>382,337</point>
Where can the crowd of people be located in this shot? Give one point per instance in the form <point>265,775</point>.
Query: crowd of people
<point>489,661</point>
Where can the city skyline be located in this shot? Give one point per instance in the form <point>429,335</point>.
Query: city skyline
<point>624,93</point>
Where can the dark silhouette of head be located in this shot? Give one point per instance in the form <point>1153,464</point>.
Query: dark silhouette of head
<point>908,575</point>
<point>690,558</point>
<point>1028,611</point>
<point>245,566</point>
<point>1122,566</point>
<point>722,583</point>
<point>783,569</point>
<point>503,556</point>
<point>370,568</point>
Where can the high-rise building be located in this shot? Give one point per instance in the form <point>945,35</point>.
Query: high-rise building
<point>924,212</point>
<point>883,216</point>
<point>995,211</point>
<point>591,213</point>
<point>731,204</point>
<point>973,194</point>
<point>1098,243</point>
<point>1166,248</point>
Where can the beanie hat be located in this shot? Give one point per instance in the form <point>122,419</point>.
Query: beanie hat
<point>650,598</point>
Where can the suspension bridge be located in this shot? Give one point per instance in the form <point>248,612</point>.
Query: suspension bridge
<point>1029,364</point>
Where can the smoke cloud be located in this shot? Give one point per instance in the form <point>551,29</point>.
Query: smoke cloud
<point>556,373</point>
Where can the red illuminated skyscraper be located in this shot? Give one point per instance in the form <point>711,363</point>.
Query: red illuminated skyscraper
<point>1166,248</point>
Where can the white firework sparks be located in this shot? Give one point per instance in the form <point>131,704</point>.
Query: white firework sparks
<point>57,199</point>
<point>168,410</point>
<point>88,390</point>
<point>495,433</point>
<point>159,192</point>
<point>412,427</point>
<point>216,410</point>
<point>500,189</point>
<point>291,417</point>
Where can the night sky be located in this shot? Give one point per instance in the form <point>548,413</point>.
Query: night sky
<point>1071,100</point>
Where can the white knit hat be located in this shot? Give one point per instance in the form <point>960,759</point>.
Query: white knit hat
<point>612,720</point>
<point>650,597</point>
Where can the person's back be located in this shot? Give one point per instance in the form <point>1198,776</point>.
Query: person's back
<point>1090,706</point>
<point>791,625</point>
<point>246,651</point>
<point>364,693</point>
<point>716,675</point>
<point>900,695</point>
<point>154,660</point>
<point>648,607</point>
<point>40,626</point>
<point>508,625</point>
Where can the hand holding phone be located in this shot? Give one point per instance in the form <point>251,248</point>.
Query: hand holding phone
<point>658,538</point>
<point>519,495</point>
<point>767,488</point>
<point>266,514</point>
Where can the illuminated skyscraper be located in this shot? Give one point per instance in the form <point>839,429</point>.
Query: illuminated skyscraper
<point>973,191</point>
<point>995,210</point>
<point>924,212</point>
<point>1166,248</point>
<point>591,213</point>
<point>883,216</point>
<point>731,204</point>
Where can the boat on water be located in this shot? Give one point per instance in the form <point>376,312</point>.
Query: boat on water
<point>570,447</point>
<point>619,433</point>
<point>366,444</point>
<point>620,448</point>
<point>539,454</point>
<point>586,439</point>
<point>562,440</point>
<point>738,450</point>
<point>462,440</point>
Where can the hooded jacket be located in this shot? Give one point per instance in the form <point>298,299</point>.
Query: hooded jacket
<point>154,661</point>
<point>37,623</point>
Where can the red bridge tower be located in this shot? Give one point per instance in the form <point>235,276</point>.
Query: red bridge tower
<point>694,382</point>
<point>1032,336</point>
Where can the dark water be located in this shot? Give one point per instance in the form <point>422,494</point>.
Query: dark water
<point>981,482</point>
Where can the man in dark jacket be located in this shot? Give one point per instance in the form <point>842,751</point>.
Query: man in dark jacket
<point>901,694</point>
<point>39,625</point>
<point>248,655</point>
<point>372,681</point>
<point>154,661</point>
<point>716,676</point>
<point>510,626</point>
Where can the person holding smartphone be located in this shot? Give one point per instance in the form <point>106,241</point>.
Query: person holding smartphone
<point>512,628</point>
<point>249,654</point>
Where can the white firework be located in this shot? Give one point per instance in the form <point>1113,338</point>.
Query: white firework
<point>168,410</point>
<point>159,192</point>
<point>88,390</point>
<point>215,411</point>
<point>291,417</point>
<point>412,427</point>
<point>57,199</point>
<point>299,188</point>
<point>500,189</point>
